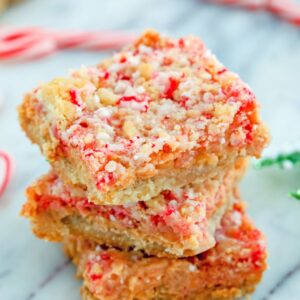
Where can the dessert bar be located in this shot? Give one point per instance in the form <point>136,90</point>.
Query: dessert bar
<point>158,115</point>
<point>181,222</point>
<point>230,270</point>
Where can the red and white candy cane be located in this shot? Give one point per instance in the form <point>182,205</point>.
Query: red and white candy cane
<point>7,172</point>
<point>30,43</point>
<point>288,10</point>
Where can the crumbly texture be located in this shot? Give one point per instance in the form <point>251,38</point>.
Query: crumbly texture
<point>180,223</point>
<point>230,270</point>
<point>154,116</point>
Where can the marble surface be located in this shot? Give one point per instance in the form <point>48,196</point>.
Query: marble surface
<point>264,51</point>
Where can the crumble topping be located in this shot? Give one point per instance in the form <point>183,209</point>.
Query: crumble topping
<point>152,103</point>
<point>242,251</point>
<point>183,211</point>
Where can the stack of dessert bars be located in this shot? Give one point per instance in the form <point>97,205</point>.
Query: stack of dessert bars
<point>147,149</point>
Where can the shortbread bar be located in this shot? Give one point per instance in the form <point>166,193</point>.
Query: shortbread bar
<point>158,115</point>
<point>230,270</point>
<point>181,222</point>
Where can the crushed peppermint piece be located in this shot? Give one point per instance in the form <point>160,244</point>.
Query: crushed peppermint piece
<point>112,218</point>
<point>111,166</point>
<point>192,268</point>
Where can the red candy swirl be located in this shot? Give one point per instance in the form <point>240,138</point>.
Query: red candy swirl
<point>7,162</point>
<point>30,43</point>
<point>288,10</point>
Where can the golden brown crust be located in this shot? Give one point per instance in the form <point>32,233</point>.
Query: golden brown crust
<point>209,294</point>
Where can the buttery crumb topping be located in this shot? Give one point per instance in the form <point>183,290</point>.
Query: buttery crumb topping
<point>240,254</point>
<point>154,102</point>
<point>186,212</point>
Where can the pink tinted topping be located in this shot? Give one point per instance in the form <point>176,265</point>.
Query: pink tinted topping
<point>237,228</point>
<point>183,213</point>
<point>173,85</point>
<point>74,97</point>
<point>240,248</point>
<point>150,104</point>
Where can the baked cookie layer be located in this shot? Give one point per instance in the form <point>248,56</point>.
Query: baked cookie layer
<point>158,115</point>
<point>230,270</point>
<point>179,223</point>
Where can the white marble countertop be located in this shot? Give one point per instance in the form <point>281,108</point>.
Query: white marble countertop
<point>264,51</point>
